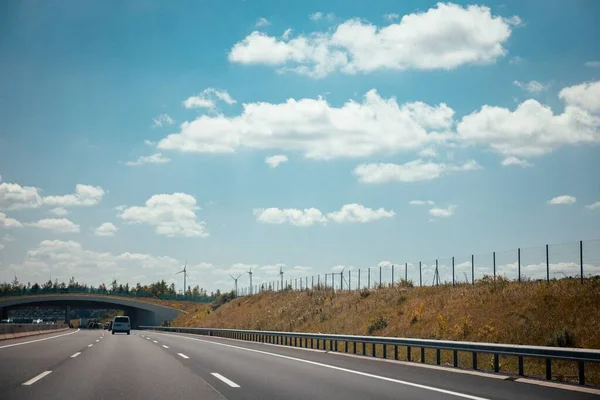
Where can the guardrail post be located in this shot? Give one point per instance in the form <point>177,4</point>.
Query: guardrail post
<point>548,369</point>
<point>581,370</point>
<point>496,363</point>
<point>373,349</point>
<point>474,360</point>
<point>336,345</point>
<point>455,358</point>
<point>384,350</point>
<point>408,357</point>
<point>364,349</point>
<point>423,354</point>
<point>331,345</point>
<point>395,352</point>
<point>345,346</point>
<point>438,356</point>
<point>520,361</point>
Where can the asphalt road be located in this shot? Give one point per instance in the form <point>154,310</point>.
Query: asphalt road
<point>152,365</point>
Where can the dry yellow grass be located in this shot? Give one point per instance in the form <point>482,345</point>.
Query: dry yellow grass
<point>530,313</point>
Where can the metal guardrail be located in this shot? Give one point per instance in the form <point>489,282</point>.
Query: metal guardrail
<point>323,341</point>
<point>19,328</point>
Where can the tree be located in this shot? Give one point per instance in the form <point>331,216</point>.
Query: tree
<point>113,285</point>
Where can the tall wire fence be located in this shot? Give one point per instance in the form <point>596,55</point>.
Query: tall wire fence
<point>574,260</point>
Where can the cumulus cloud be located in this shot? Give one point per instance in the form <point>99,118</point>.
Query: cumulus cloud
<point>428,152</point>
<point>208,99</point>
<point>317,129</point>
<point>512,160</point>
<point>444,37</point>
<point>318,16</point>
<point>347,214</point>
<point>6,222</point>
<point>106,229</point>
<point>161,120</point>
<point>564,199</point>
<point>442,212</point>
<point>391,17</point>
<point>262,22</point>
<point>274,161</point>
<point>302,218</point>
<point>593,206</point>
<point>170,214</point>
<point>14,196</point>
<point>412,171</point>
<point>421,202</point>
<point>57,225</point>
<point>532,87</point>
<point>59,211</point>
<point>85,195</point>
<point>156,158</point>
<point>358,213</point>
<point>592,64</point>
<point>533,129</point>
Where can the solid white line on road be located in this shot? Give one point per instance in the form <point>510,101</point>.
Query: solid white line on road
<point>155,341</point>
<point>166,347</point>
<point>90,345</point>
<point>227,381</point>
<point>37,378</point>
<point>148,338</point>
<point>182,356</point>
<point>351,371</point>
<point>38,340</point>
<point>76,354</point>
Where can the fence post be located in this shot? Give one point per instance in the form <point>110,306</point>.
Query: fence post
<point>325,280</point>
<point>312,282</point>
<point>452,270</point>
<point>547,266</point>
<point>392,275</point>
<point>472,269</point>
<point>380,280</point>
<point>420,275</point>
<point>341,281</point>
<point>405,271</point>
<point>359,279</point>
<point>349,285</point>
<point>369,278</point>
<point>519,262</point>
<point>581,259</point>
<point>494,266</point>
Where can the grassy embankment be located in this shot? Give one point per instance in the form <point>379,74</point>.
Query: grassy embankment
<point>560,313</point>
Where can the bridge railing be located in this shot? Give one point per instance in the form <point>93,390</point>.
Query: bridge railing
<point>390,348</point>
<point>53,291</point>
<point>19,328</point>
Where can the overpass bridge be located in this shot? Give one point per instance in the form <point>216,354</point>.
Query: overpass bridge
<point>139,312</point>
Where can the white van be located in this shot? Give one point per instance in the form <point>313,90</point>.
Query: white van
<point>121,324</point>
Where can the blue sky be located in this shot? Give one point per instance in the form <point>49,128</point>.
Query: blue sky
<point>373,105</point>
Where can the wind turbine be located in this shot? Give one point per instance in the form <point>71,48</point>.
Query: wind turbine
<point>250,274</point>
<point>185,276</point>
<point>235,280</point>
<point>281,274</point>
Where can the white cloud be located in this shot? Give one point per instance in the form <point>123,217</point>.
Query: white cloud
<point>149,143</point>
<point>1,246</point>
<point>443,37</point>
<point>564,199</point>
<point>170,214</point>
<point>421,202</point>
<point>592,64</point>
<point>516,60</point>
<point>208,99</point>
<point>594,206</point>
<point>59,211</point>
<point>162,120</point>
<point>156,158</point>
<point>85,195</point>
<point>318,16</point>
<point>585,96</point>
<point>286,34</point>
<point>58,225</point>
<point>533,87</point>
<point>261,22</point>
<point>6,222</point>
<point>274,161</point>
<point>14,196</point>
<point>428,152</point>
<point>412,171</point>
<point>317,129</point>
<point>302,218</point>
<point>106,229</point>
<point>532,129</point>
<point>8,238</point>
<point>512,160</point>
<point>358,213</point>
<point>391,17</point>
<point>442,212</point>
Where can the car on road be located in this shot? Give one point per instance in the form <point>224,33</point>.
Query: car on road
<point>121,324</point>
<point>106,325</point>
<point>6,321</point>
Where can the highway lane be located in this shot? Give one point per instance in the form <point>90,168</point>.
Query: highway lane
<point>22,358</point>
<point>153,365</point>
<point>271,372</point>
